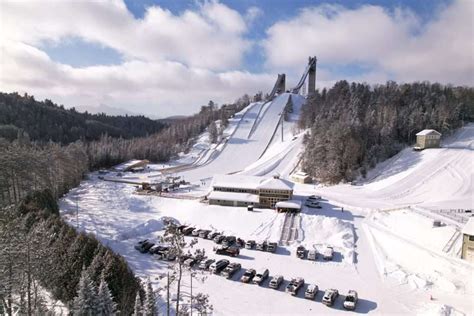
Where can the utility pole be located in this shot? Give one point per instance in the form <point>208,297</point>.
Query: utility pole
<point>191,307</point>
<point>168,296</point>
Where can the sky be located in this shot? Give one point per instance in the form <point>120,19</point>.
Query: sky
<point>168,57</point>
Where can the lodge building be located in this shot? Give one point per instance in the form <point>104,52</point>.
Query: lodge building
<point>240,190</point>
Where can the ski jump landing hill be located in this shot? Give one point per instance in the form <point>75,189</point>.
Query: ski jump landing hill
<point>249,141</point>
<point>255,132</point>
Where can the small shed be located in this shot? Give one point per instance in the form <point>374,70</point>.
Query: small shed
<point>428,138</point>
<point>293,206</point>
<point>467,252</point>
<point>301,177</point>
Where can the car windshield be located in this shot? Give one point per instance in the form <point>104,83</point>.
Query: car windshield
<point>350,299</point>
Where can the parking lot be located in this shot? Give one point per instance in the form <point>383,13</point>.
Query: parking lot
<point>246,259</point>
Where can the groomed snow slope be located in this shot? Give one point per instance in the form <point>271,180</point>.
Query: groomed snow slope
<point>437,178</point>
<point>241,150</point>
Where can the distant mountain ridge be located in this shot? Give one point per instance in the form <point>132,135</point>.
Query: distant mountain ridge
<point>46,121</point>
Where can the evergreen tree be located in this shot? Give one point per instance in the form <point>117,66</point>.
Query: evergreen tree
<point>213,133</point>
<point>85,303</point>
<point>137,309</point>
<point>105,302</point>
<point>149,306</point>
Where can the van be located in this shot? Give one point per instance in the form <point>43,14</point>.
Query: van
<point>218,266</point>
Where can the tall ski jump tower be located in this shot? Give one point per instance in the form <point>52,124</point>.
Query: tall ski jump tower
<point>312,75</point>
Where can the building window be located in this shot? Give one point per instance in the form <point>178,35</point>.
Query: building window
<point>471,238</point>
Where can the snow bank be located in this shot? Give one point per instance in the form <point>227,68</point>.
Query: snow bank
<point>150,226</point>
<point>433,309</point>
<point>321,231</point>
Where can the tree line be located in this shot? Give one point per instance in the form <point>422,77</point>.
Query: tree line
<point>40,251</point>
<point>46,121</point>
<point>354,126</point>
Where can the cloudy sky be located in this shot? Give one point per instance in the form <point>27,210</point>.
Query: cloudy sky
<point>168,57</point>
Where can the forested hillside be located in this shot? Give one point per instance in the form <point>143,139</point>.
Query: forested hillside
<point>46,121</point>
<point>354,126</point>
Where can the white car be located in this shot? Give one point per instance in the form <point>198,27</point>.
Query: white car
<point>350,301</point>
<point>311,291</point>
<point>312,254</point>
<point>328,253</point>
<point>260,277</point>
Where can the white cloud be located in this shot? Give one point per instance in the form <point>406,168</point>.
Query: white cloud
<point>253,13</point>
<point>395,44</point>
<point>172,63</point>
<point>155,88</point>
<point>211,37</point>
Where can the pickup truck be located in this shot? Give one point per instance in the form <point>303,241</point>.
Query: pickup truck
<point>231,269</point>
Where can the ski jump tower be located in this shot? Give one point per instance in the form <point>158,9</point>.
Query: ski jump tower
<point>310,73</point>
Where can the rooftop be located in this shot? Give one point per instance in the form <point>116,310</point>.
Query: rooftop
<point>428,132</point>
<point>468,229</point>
<point>233,196</point>
<point>250,182</point>
<point>293,204</point>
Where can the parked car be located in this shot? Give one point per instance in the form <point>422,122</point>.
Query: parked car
<point>158,248</point>
<point>294,285</point>
<point>228,251</point>
<point>188,231</point>
<point>260,277</point>
<point>351,299</point>
<point>181,227</point>
<point>190,262</point>
<point>312,254</point>
<point>314,197</point>
<point>248,275</point>
<point>219,238</point>
<point>312,204</point>
<point>165,255</point>
<point>206,263</point>
<point>196,232</point>
<point>330,297</point>
<point>311,291</point>
<point>261,245</point>
<point>231,269</point>
<point>328,253</point>
<point>301,252</point>
<point>144,246</point>
<point>203,233</point>
<point>240,243</point>
<point>276,281</point>
<point>218,266</point>
<point>271,246</point>
<point>250,244</point>
<point>212,235</point>
<point>229,241</point>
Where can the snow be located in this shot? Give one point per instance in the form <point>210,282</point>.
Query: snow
<point>233,196</point>
<point>385,244</point>
<point>294,204</point>
<point>468,229</point>
<point>428,132</point>
<point>250,182</point>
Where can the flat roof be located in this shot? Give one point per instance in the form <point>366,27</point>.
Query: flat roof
<point>468,229</point>
<point>428,132</point>
<point>250,182</point>
<point>293,204</point>
<point>233,196</point>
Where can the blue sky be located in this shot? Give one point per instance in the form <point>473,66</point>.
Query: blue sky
<point>168,57</point>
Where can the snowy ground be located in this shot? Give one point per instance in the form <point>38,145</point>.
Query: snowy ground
<point>386,246</point>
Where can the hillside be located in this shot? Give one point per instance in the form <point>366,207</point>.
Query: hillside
<point>46,121</point>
